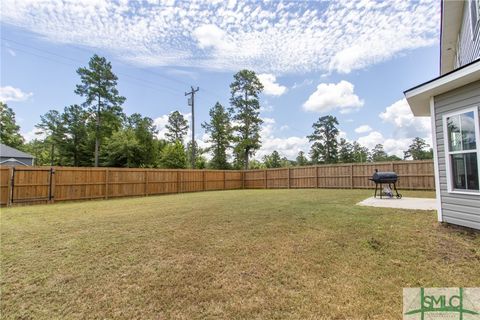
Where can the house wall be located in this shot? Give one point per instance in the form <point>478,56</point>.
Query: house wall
<point>468,43</point>
<point>27,161</point>
<point>461,209</point>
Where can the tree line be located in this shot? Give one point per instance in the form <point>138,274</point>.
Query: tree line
<point>99,133</point>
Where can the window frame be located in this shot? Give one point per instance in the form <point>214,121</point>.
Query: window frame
<point>448,153</point>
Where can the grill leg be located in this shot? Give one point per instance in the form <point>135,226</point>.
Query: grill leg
<point>381,191</point>
<point>376,185</point>
<point>399,196</point>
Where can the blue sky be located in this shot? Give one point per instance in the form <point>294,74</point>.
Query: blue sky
<point>351,59</point>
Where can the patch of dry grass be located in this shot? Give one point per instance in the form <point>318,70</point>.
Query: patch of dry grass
<point>247,254</point>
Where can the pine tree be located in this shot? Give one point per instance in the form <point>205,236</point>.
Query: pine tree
<point>245,108</point>
<point>200,161</point>
<point>360,153</point>
<point>273,160</point>
<point>99,87</point>
<point>10,131</point>
<point>177,127</point>
<point>345,151</point>
<point>220,136</point>
<point>378,154</point>
<point>301,159</point>
<point>324,138</point>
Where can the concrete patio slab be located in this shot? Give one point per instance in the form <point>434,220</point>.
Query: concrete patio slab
<point>403,203</point>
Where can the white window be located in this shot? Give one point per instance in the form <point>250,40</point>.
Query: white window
<point>462,147</point>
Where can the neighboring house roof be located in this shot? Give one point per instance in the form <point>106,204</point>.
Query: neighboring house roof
<point>419,97</point>
<point>9,152</point>
<point>12,161</point>
<point>451,20</point>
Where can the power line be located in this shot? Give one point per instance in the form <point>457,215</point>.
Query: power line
<point>183,83</point>
<point>176,91</point>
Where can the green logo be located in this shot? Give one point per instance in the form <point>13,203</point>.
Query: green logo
<point>441,303</point>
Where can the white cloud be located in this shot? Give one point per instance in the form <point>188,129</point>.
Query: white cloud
<point>286,146</point>
<point>11,52</point>
<point>270,85</point>
<point>390,145</point>
<point>363,129</point>
<point>303,83</point>
<point>210,36</point>
<point>405,127</point>
<point>269,37</point>
<point>32,134</point>
<point>10,93</point>
<point>405,124</point>
<point>329,96</point>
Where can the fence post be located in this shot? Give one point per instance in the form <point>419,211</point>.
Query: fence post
<point>266,183</point>
<point>178,182</point>
<point>107,173</point>
<point>351,176</point>
<point>288,177</point>
<point>243,179</point>
<point>10,187</point>
<point>203,179</point>
<point>224,180</point>
<point>391,167</point>
<point>146,182</point>
<point>52,186</point>
<point>316,176</point>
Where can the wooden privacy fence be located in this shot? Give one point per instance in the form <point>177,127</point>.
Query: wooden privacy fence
<point>413,175</point>
<point>51,184</point>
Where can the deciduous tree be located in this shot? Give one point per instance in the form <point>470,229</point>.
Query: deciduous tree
<point>52,127</point>
<point>10,131</point>
<point>418,150</point>
<point>75,143</point>
<point>173,156</point>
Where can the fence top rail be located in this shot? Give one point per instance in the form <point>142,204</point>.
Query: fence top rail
<point>335,165</point>
<point>399,162</point>
<point>64,168</point>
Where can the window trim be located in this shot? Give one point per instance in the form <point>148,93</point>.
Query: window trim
<point>447,151</point>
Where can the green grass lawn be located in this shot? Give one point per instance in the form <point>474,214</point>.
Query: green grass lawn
<point>246,254</point>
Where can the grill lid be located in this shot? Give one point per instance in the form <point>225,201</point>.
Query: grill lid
<point>384,176</point>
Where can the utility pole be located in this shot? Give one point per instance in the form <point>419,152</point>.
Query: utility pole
<point>191,102</point>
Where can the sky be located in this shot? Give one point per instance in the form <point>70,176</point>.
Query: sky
<point>350,59</point>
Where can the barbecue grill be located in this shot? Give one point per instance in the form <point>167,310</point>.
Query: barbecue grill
<point>381,178</point>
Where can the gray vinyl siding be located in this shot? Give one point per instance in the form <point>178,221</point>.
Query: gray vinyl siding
<point>461,209</point>
<point>468,42</point>
<point>26,161</point>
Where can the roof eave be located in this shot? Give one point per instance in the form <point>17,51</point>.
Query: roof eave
<point>451,22</point>
<point>418,97</point>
